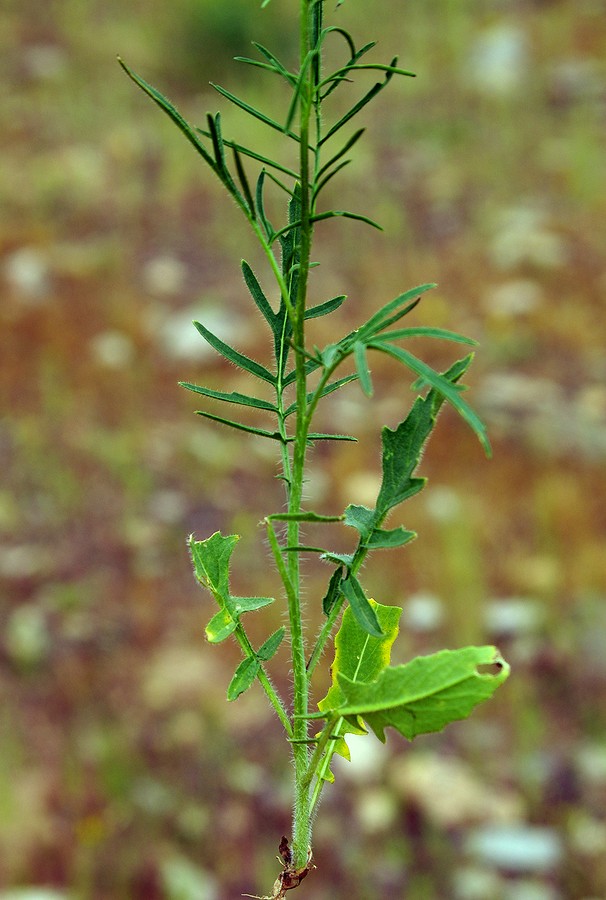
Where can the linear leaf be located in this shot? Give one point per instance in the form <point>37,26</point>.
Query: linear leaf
<point>258,295</point>
<point>399,306</point>
<point>360,606</point>
<point>260,432</point>
<point>238,359</point>
<point>440,333</point>
<point>323,309</point>
<point>253,111</point>
<point>244,182</point>
<point>319,436</point>
<point>355,109</point>
<point>344,149</point>
<point>233,397</point>
<point>172,112</point>
<point>359,351</point>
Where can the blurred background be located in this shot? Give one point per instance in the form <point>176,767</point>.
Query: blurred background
<point>123,771</point>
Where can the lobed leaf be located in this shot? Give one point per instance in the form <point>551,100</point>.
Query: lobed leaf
<point>426,694</point>
<point>211,559</point>
<point>447,389</point>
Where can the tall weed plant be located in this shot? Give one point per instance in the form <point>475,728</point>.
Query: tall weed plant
<point>367,692</point>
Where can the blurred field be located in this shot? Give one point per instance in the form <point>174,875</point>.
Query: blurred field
<point>123,772</point>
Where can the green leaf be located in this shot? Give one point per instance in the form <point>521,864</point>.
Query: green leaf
<point>442,385</point>
<point>387,539</point>
<point>220,627</point>
<point>426,694</point>
<point>244,676</point>
<point>241,605</point>
<point>172,112</point>
<point>392,311</point>
<point>211,562</point>
<point>238,359</point>
<point>256,292</point>
<point>306,516</point>
<point>361,518</point>
<point>322,309</point>
<point>402,449</point>
<point>440,333</point>
<point>360,605</point>
<point>321,436</point>
<point>368,96</point>
<point>232,397</point>
<point>271,645</point>
<point>269,232</point>
<point>211,559</point>
<point>252,111</point>
<point>260,432</point>
<point>359,352</point>
<point>333,592</point>
<point>359,656</point>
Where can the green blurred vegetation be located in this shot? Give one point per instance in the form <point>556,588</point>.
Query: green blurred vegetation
<point>123,773</point>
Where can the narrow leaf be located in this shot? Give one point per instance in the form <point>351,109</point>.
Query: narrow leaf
<point>256,113</point>
<point>440,333</point>
<point>319,436</point>
<point>307,516</point>
<point>359,351</point>
<point>360,606</point>
<point>398,306</point>
<point>211,562</point>
<point>323,309</point>
<point>258,295</point>
<point>333,591</point>
<point>269,232</point>
<point>244,182</point>
<point>172,112</point>
<point>260,432</point>
<point>232,397</point>
<point>355,109</point>
<point>238,359</point>
<point>243,678</point>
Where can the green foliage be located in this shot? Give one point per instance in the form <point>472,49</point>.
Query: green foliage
<point>429,692</point>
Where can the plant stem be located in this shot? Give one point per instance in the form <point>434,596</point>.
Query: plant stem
<point>301,837</point>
